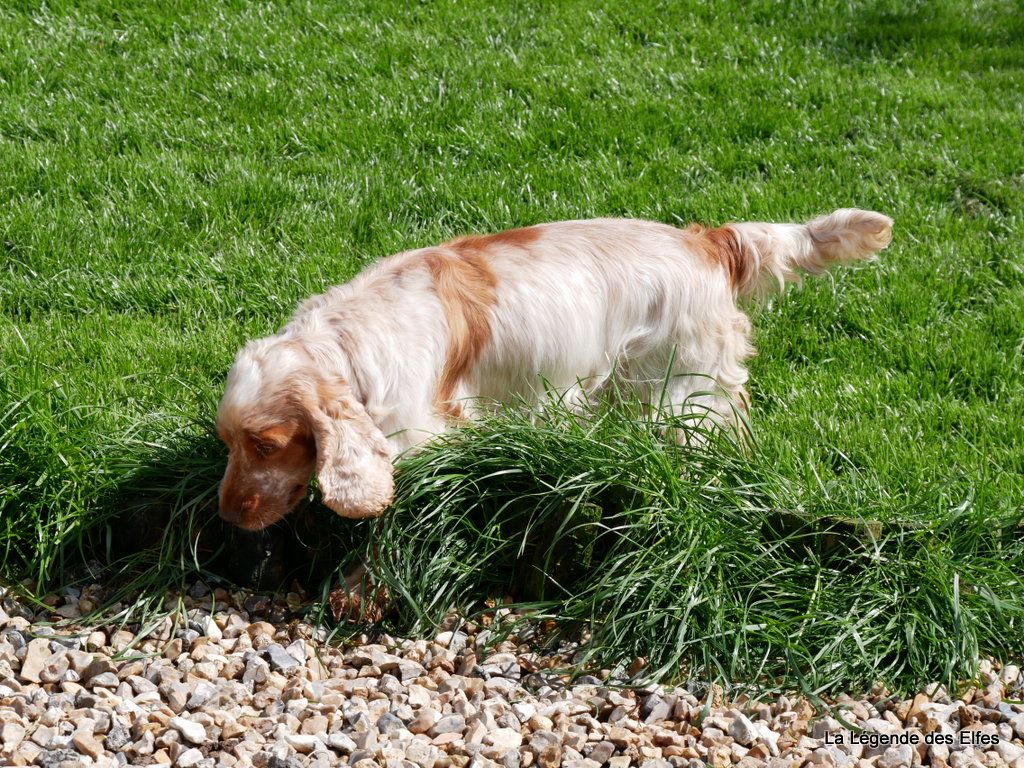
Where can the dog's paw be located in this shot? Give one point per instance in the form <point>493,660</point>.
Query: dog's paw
<point>362,604</point>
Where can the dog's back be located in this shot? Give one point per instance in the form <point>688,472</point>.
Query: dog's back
<point>424,337</point>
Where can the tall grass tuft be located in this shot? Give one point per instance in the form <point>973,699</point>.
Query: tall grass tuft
<point>136,509</point>
<point>129,508</point>
<point>649,535</point>
<point>692,555</point>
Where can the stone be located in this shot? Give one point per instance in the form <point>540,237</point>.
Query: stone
<point>896,756</point>
<point>140,684</point>
<point>269,695</point>
<point>475,732</point>
<point>366,739</point>
<point>96,665</point>
<point>176,695</point>
<point>302,743</point>
<point>341,743</point>
<point>501,665</point>
<point>117,738</point>
<point>280,660</point>
<point>418,695</point>
<point>36,656</point>
<point>550,757</point>
<point>410,670</point>
<point>201,694</point>
<point>424,755</point>
<point>57,669</point>
<point>189,758</point>
<point>742,729</point>
<point>602,752</point>
<point>501,686</point>
<point>621,737</point>
<point>424,721</point>
<point>145,744</point>
<point>915,710</point>
<point>540,723</point>
<point>210,628</point>
<point>315,725</point>
<point>257,671</point>
<point>767,737</point>
<point>504,738</point>
<point>26,753</point>
<point>541,740</point>
<point>121,639</point>
<point>820,757</point>
<point>389,723</point>
<point>655,708</point>
<point>87,744</point>
<point>11,734</point>
<point>448,724</point>
<point>44,735</point>
<point>104,680</point>
<point>1008,751</point>
<point>52,758</point>
<point>191,730</point>
<point>453,641</point>
<point>231,729</point>
<point>575,740</point>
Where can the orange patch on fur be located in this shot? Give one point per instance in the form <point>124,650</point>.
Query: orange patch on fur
<point>722,247</point>
<point>279,435</point>
<point>474,243</point>
<point>466,286</point>
<point>286,449</point>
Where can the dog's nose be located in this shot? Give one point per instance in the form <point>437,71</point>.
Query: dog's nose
<point>233,512</point>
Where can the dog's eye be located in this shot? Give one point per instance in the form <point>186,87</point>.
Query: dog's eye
<point>265,449</point>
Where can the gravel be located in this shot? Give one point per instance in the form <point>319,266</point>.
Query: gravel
<point>251,684</point>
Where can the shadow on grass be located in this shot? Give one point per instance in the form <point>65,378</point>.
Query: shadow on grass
<point>162,529</point>
<point>975,40</point>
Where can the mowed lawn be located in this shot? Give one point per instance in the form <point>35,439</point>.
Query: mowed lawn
<point>175,177</point>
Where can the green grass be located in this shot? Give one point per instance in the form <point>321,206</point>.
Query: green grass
<point>174,178</point>
<point>694,558</point>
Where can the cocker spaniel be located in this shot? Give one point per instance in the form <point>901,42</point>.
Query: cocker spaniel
<point>424,338</point>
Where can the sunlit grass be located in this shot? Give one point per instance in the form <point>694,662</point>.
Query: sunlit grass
<point>173,180</point>
<point>695,558</point>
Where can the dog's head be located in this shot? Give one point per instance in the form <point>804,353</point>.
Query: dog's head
<point>284,421</point>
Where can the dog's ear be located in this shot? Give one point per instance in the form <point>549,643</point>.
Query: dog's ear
<point>353,459</point>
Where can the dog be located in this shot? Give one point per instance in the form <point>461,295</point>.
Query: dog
<point>424,339</point>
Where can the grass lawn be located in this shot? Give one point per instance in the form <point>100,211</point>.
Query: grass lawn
<point>173,182</point>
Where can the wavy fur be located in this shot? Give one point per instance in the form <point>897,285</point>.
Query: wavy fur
<point>423,338</point>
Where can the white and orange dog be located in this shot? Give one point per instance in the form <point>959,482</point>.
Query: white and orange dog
<point>423,338</point>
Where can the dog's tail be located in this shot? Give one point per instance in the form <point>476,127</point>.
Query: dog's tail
<point>760,258</point>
